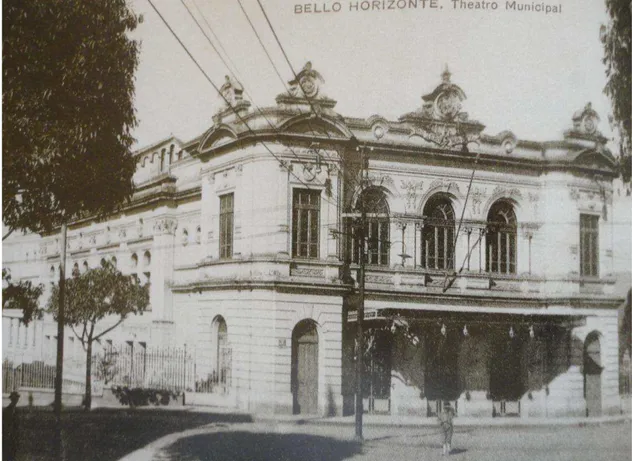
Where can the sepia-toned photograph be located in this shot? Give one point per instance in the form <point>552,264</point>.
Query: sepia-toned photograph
<point>252,230</point>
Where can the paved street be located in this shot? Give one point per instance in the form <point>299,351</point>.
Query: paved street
<point>285,441</point>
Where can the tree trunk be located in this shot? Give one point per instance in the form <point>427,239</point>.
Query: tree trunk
<point>88,396</point>
<point>59,369</point>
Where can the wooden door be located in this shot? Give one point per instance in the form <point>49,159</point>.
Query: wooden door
<point>305,369</point>
<point>592,375</point>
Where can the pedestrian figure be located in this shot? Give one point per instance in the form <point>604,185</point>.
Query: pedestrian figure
<point>10,429</point>
<point>445,419</point>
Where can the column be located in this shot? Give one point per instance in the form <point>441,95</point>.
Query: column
<point>161,297</point>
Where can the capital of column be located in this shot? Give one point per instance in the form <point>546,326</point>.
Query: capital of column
<point>165,226</point>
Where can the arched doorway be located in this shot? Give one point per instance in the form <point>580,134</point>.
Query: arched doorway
<point>305,368</point>
<point>506,373</point>
<point>222,356</point>
<point>592,374</point>
<point>441,377</point>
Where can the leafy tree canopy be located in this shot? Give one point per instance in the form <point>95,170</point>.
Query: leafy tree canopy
<point>68,87</point>
<point>96,294</point>
<point>616,38</point>
<point>93,296</point>
<point>22,295</point>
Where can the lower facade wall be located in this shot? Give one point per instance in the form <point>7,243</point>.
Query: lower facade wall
<point>260,326</point>
<point>259,331</point>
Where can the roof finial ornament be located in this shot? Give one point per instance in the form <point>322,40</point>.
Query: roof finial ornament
<point>445,75</point>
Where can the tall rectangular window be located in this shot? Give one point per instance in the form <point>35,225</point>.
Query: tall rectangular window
<point>226,218</point>
<point>589,245</point>
<point>305,223</point>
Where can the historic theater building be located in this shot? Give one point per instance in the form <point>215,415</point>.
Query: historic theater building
<point>489,259</point>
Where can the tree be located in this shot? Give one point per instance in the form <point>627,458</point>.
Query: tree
<point>93,296</point>
<point>616,39</point>
<point>67,97</point>
<point>22,295</point>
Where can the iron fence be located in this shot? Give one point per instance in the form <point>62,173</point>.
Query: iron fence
<point>161,368</point>
<point>169,368</point>
<point>34,375</point>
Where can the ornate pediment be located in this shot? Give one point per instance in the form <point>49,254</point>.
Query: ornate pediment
<point>309,124</point>
<point>307,83</point>
<point>445,101</point>
<point>440,120</point>
<point>595,159</point>
<point>217,137</point>
<point>585,125</point>
<point>306,88</point>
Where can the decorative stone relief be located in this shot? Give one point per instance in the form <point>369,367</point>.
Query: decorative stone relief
<point>307,83</point>
<point>231,91</point>
<point>285,165</point>
<point>122,233</point>
<point>445,186</point>
<point>477,195</point>
<point>378,279</point>
<point>411,189</point>
<point>164,226</point>
<point>513,193</point>
<point>574,194</point>
<point>308,272</point>
<point>586,120</point>
<point>380,180</point>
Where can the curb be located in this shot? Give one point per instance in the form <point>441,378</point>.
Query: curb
<point>430,422</point>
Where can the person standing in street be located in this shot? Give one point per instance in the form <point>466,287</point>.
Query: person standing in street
<point>447,427</point>
<point>10,428</point>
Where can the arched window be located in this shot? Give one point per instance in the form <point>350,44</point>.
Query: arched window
<point>114,262</point>
<point>198,234</point>
<point>501,238</point>
<point>52,272</point>
<point>147,259</point>
<point>85,267</point>
<point>185,236</point>
<point>437,237</point>
<point>134,261</point>
<point>376,229</point>
<point>75,270</point>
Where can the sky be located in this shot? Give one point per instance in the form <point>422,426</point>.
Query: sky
<point>522,71</point>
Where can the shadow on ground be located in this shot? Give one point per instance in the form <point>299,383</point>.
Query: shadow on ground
<point>253,446</point>
<point>105,434</point>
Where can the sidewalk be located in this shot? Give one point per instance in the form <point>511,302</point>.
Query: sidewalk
<point>397,437</point>
<point>418,421</point>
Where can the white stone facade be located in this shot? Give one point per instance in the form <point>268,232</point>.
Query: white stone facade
<point>236,261</point>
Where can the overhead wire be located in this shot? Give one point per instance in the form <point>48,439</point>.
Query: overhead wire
<point>342,158</point>
<point>226,100</point>
<point>258,108</point>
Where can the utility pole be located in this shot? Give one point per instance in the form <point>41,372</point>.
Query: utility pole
<point>59,366</point>
<point>359,405</point>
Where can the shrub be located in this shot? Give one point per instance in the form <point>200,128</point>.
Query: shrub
<point>138,396</point>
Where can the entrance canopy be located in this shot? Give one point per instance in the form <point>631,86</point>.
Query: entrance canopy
<point>420,317</point>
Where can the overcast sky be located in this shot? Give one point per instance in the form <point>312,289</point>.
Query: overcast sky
<point>523,71</point>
